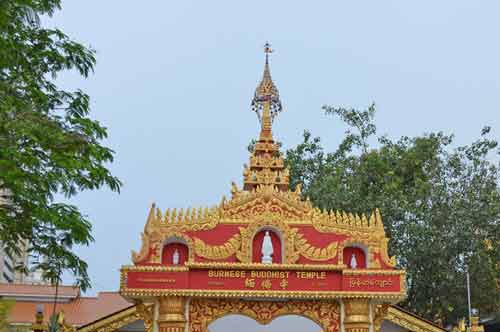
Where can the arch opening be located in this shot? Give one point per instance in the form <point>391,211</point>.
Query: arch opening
<point>285,322</point>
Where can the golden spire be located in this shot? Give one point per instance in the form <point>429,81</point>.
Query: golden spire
<point>266,101</point>
<point>266,162</point>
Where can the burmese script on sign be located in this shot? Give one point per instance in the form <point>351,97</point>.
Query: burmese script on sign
<point>360,283</point>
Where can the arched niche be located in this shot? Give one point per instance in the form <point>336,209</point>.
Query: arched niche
<point>276,240</point>
<point>359,252</point>
<point>170,247</point>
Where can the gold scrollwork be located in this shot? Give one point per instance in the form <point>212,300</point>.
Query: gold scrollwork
<point>216,252</point>
<point>204,311</point>
<point>314,253</point>
<point>144,252</point>
<point>381,311</point>
<point>146,312</point>
<point>391,261</point>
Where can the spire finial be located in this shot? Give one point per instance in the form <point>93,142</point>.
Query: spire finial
<point>268,50</point>
<point>266,101</point>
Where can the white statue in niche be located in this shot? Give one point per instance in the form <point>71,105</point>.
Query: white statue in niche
<point>176,257</point>
<point>267,249</point>
<point>354,262</point>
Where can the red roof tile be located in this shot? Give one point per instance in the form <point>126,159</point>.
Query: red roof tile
<point>82,310</point>
<point>37,290</point>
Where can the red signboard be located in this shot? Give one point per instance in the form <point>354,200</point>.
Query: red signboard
<point>265,280</point>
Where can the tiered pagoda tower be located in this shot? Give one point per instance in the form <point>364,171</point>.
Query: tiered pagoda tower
<point>266,162</point>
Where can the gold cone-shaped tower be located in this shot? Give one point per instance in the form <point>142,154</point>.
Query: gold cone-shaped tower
<point>266,162</point>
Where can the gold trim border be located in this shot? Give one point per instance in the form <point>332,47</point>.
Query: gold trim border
<point>349,272</point>
<point>260,266</point>
<point>201,293</point>
<point>154,268</point>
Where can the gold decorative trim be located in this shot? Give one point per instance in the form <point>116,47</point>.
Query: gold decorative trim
<point>245,205</point>
<point>391,261</point>
<point>380,314</point>
<point>143,252</point>
<point>332,221</point>
<point>372,272</point>
<point>314,253</point>
<point>113,322</point>
<point>245,222</point>
<point>202,293</point>
<point>146,312</point>
<point>154,268</point>
<point>410,322</point>
<point>260,266</point>
<point>217,252</point>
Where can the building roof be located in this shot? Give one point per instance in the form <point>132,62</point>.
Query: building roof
<point>410,321</point>
<point>33,292</point>
<point>80,311</point>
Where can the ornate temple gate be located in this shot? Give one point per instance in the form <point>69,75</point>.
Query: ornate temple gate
<point>264,253</point>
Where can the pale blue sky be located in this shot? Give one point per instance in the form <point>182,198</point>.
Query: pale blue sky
<point>174,81</point>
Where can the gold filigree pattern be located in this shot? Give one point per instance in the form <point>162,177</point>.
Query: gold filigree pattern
<point>261,266</point>
<point>137,257</point>
<point>204,311</point>
<point>243,204</point>
<point>314,253</point>
<point>266,176</point>
<point>223,251</point>
<point>340,221</point>
<point>146,313</point>
<point>380,314</point>
<point>391,261</point>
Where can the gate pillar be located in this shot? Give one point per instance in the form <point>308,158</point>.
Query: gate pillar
<point>357,315</point>
<point>171,314</point>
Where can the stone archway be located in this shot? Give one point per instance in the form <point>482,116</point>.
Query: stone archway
<point>204,311</point>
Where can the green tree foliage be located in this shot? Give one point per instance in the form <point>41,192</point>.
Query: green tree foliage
<point>440,205</point>
<point>49,145</point>
<point>5,307</point>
